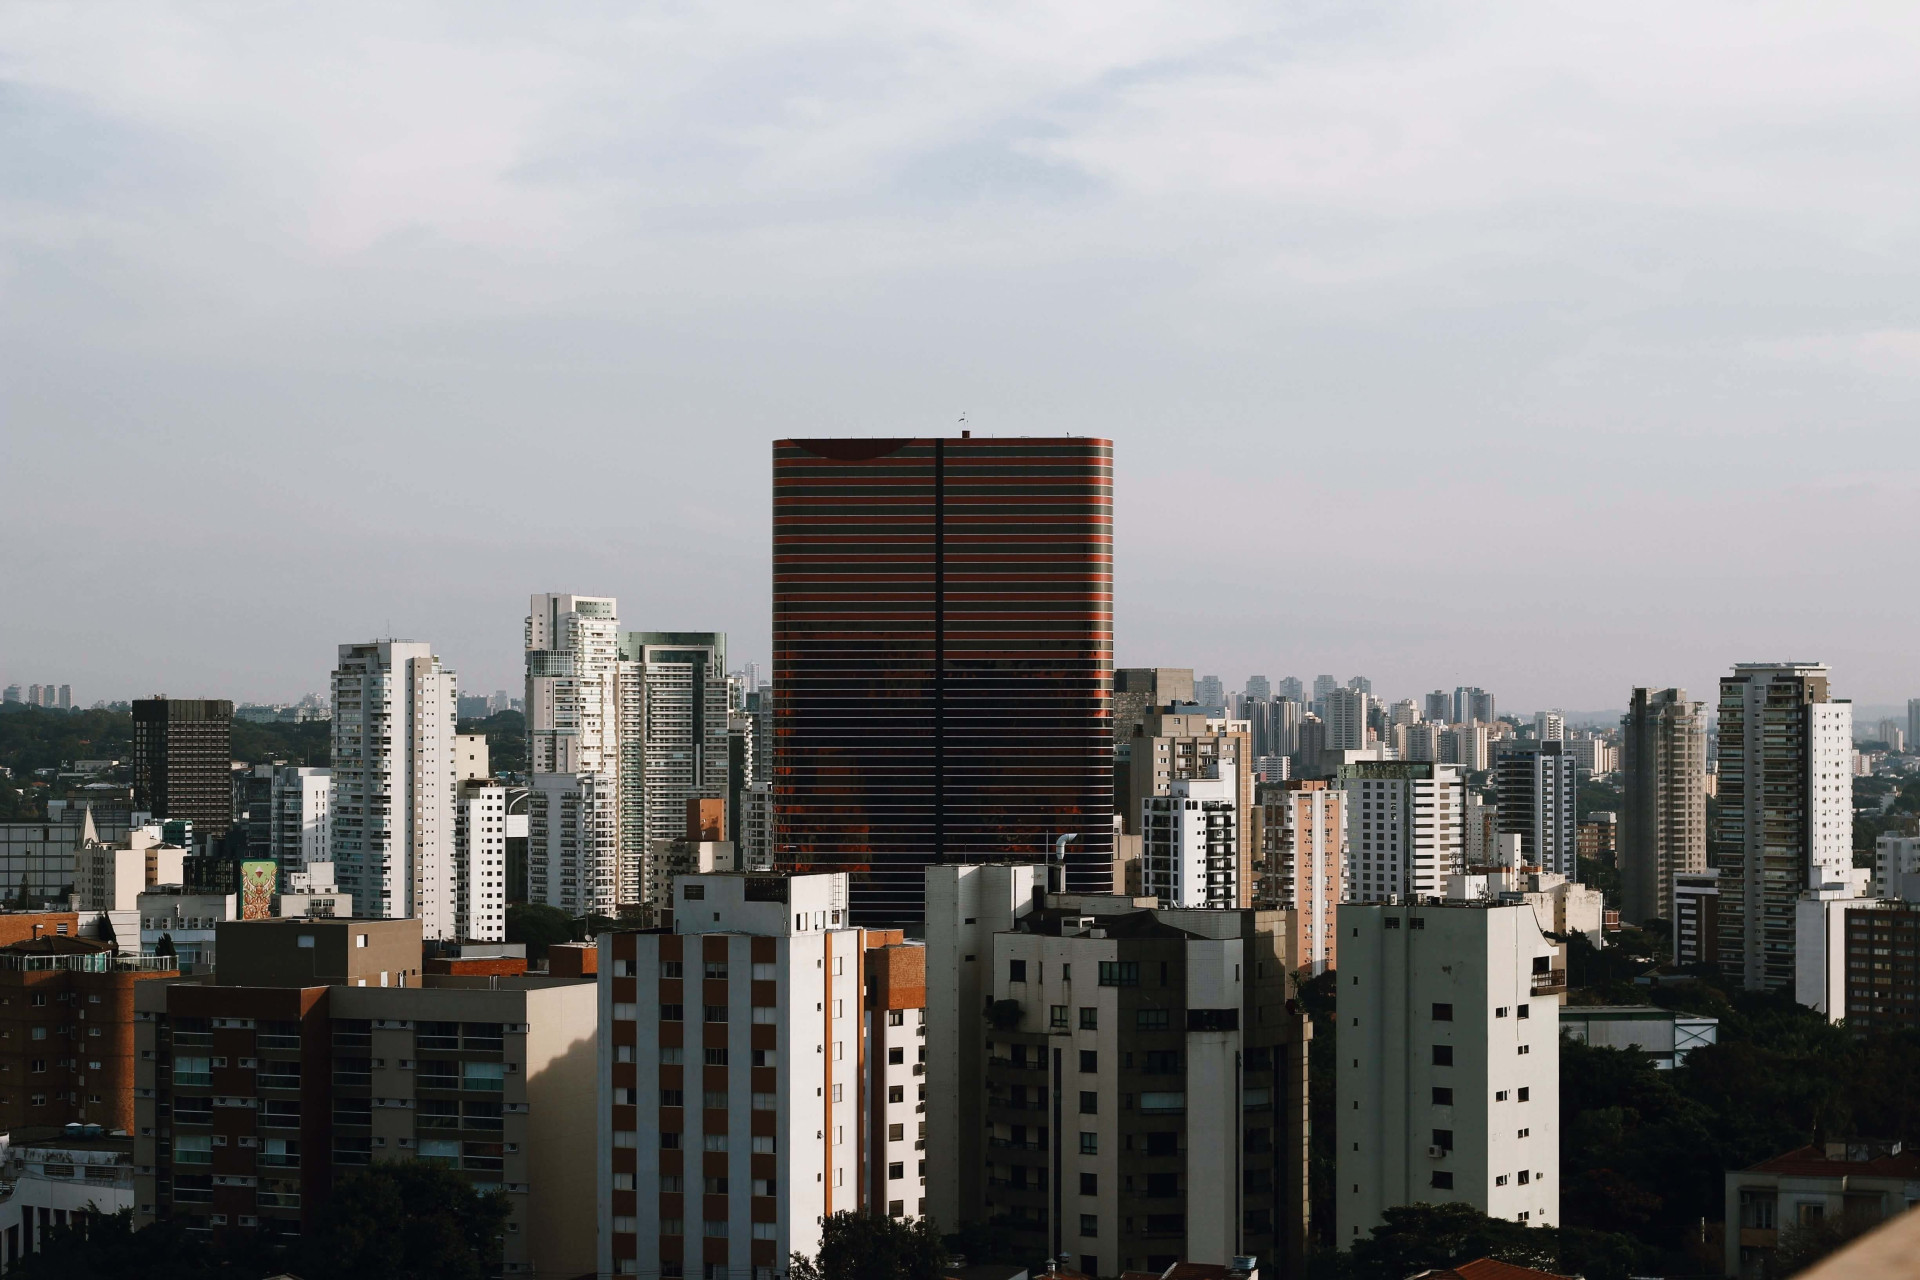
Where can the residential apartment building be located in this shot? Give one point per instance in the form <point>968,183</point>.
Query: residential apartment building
<point>896,1056</point>
<point>1190,845</point>
<point>1138,690</point>
<point>1696,917</point>
<point>1301,833</point>
<point>1406,824</point>
<point>1896,868</point>
<point>1449,1080</point>
<point>1470,705</point>
<point>943,658</point>
<point>1786,811</point>
<point>1663,827</point>
<point>1856,1182</point>
<point>1597,840</point>
<point>734,1078</point>
<point>1538,796</point>
<point>679,689</point>
<point>1468,746</point>
<point>58,1180</point>
<point>966,907</point>
<point>1346,716</point>
<point>1144,1085</point>
<point>66,1030</point>
<point>392,812</point>
<point>480,860</point>
<point>183,760</point>
<point>324,1050</point>
<point>1880,957</point>
<point>583,742</point>
<point>1175,743</point>
<point>301,807</point>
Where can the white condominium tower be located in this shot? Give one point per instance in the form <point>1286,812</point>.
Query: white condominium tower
<point>1347,719</point>
<point>1786,810</point>
<point>1449,1080</point>
<point>576,732</point>
<point>682,702</point>
<point>1406,828</point>
<point>393,783</point>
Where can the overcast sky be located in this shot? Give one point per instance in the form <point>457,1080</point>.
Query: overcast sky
<point>1546,347</point>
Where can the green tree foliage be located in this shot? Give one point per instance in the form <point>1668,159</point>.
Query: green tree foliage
<point>406,1221</point>
<point>1421,1237</point>
<point>1805,1243</point>
<point>506,740</point>
<point>865,1246</point>
<point>538,926</point>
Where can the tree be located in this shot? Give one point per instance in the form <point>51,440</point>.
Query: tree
<point>406,1221</point>
<point>538,926</point>
<point>865,1246</point>
<point>1805,1243</point>
<point>1421,1237</point>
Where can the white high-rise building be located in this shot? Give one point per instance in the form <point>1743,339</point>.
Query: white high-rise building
<point>1549,726</point>
<point>966,907</point>
<point>1896,868</point>
<point>1406,823</point>
<point>577,741</point>
<point>733,1092</point>
<point>393,783</point>
<point>1786,811</point>
<point>301,819</point>
<point>480,861</point>
<point>1538,802</point>
<point>1190,843</point>
<point>1449,1080</point>
<point>678,696</point>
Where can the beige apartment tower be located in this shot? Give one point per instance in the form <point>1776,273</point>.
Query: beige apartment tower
<point>1663,823</point>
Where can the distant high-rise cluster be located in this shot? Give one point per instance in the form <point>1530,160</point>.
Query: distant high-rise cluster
<point>58,697</point>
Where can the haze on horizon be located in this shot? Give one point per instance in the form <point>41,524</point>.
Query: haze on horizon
<point>1550,348</point>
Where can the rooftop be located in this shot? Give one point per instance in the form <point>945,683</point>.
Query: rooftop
<point>1844,1160</point>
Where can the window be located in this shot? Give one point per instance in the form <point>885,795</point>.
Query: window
<point>672,1055</point>
<point>1089,1061</point>
<point>694,892</point>
<point>670,1013</point>
<point>896,1171</point>
<point>1500,1180</point>
<point>1119,973</point>
<point>1089,1103</point>
<point>1443,1139</point>
<point>764,1102</point>
<point>896,1133</point>
<point>1499,1095</point>
<point>896,1093</point>
<point>1161,1061</point>
<point>673,1098</point>
<point>896,1017</point>
<point>1443,1013</point>
<point>1089,1143</point>
<point>1442,1180</point>
<point>1443,1055</point>
<point>716,969</point>
<point>1500,1012</point>
<point>714,1228</point>
<point>669,1140</point>
<point>716,1186</point>
<point>1150,1019</point>
<point>1016,971</point>
<point>716,1057</point>
<point>895,1057</point>
<point>1089,1018</point>
<point>1442,1097</point>
<point>1523,1133</point>
<point>1089,1225</point>
<point>716,1012</point>
<point>1526,1094</point>
<point>670,969</point>
<point>1163,1102</point>
<point>1526,1176</point>
<point>763,1145</point>
<point>715,1141</point>
<point>1522,1012</point>
<point>716,1099</point>
<point>1057,1017</point>
<point>1089,1184</point>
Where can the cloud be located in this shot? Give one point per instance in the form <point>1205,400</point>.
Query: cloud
<point>491,299</point>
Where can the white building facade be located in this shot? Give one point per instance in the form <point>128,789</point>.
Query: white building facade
<point>301,820</point>
<point>1190,843</point>
<point>577,738</point>
<point>480,861</point>
<point>1406,824</point>
<point>392,811</point>
<point>1449,1081</point>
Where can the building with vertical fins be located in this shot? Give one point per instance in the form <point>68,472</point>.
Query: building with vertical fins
<point>1663,822</point>
<point>676,691</point>
<point>183,762</point>
<point>943,659</point>
<point>1786,811</point>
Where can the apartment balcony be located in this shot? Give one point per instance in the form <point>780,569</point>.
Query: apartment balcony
<point>1553,982</point>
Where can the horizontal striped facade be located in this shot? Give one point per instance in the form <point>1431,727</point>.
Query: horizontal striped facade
<point>943,658</point>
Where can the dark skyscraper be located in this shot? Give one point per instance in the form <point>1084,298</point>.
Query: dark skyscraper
<point>183,762</point>
<point>943,658</point>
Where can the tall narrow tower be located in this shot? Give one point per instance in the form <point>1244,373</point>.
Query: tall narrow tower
<point>578,856</point>
<point>1663,820</point>
<point>393,783</point>
<point>1786,810</point>
<point>943,659</point>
